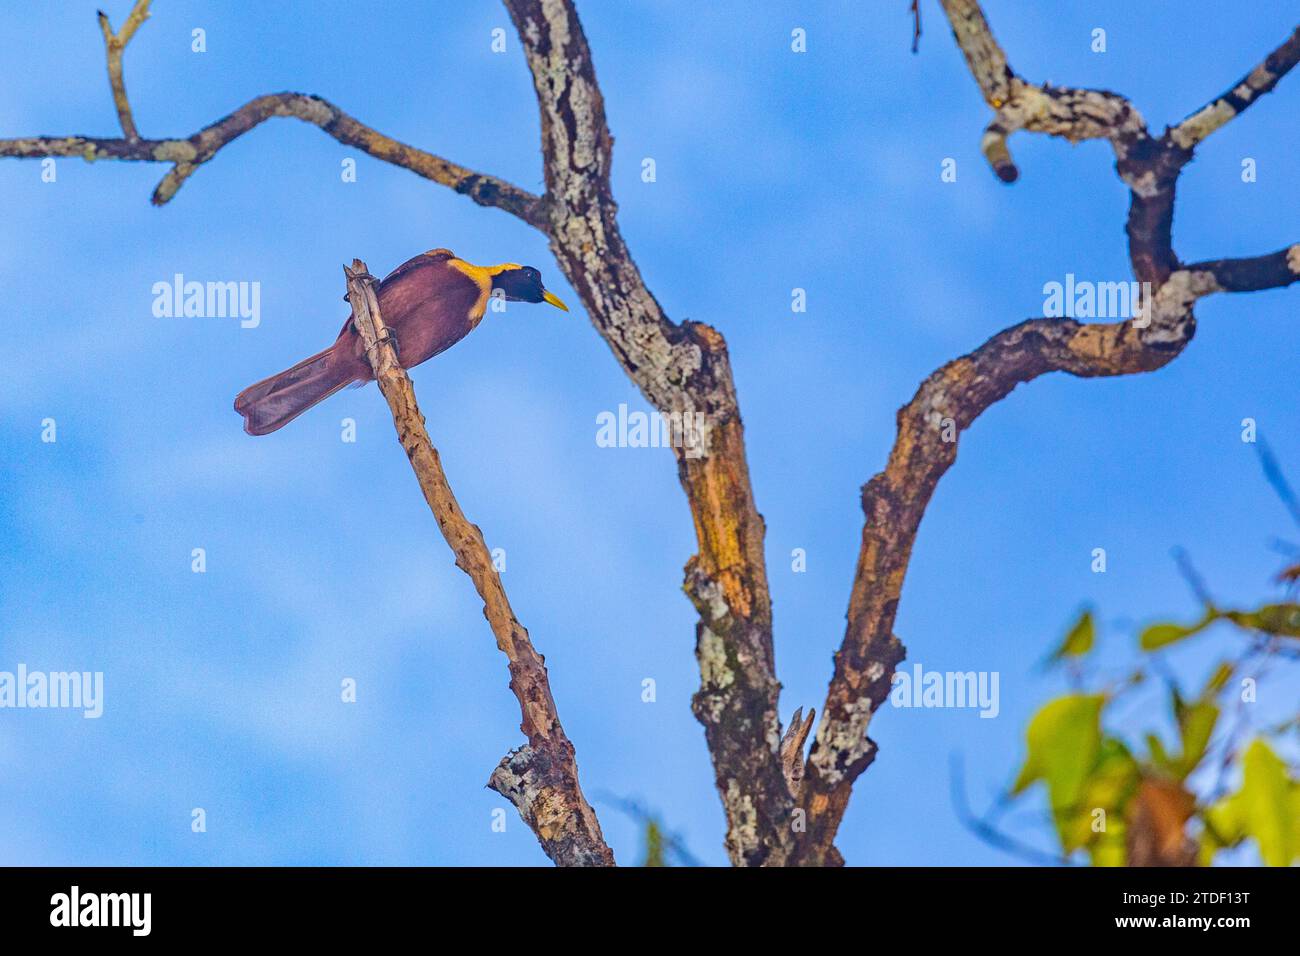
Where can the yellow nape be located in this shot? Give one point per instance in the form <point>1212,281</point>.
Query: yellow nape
<point>482,274</point>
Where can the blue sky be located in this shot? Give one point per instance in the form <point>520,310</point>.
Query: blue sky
<point>774,171</point>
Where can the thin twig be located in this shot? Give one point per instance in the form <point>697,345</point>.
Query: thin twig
<point>114,45</point>
<point>987,831</point>
<point>672,840</point>
<point>1273,474</point>
<point>1193,578</point>
<point>1259,658</point>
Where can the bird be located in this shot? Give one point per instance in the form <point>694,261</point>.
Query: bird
<point>428,303</point>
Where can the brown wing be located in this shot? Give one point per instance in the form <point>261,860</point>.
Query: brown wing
<point>422,260</point>
<point>428,304</point>
<point>435,255</point>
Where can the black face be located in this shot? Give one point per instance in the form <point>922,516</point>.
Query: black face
<point>520,285</point>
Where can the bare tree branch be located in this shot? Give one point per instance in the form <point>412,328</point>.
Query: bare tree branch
<point>541,778</point>
<point>1074,114</point>
<point>951,399</point>
<point>680,368</point>
<point>1273,271</point>
<point>1246,91</point>
<point>894,502</point>
<point>188,154</point>
<point>114,44</point>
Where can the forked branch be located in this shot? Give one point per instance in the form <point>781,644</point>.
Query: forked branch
<point>114,44</point>
<point>952,398</point>
<point>189,153</point>
<point>684,369</point>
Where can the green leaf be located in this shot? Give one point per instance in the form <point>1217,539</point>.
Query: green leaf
<point>1108,849</point>
<point>1159,756</point>
<point>1195,725</point>
<point>1267,808</point>
<point>1197,720</point>
<point>1108,789</point>
<point>1215,836</point>
<point>1161,635</point>
<point>1064,740</point>
<point>1078,640</point>
<point>654,845</point>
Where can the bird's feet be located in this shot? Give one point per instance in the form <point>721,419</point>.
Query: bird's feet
<point>389,336</point>
<point>374,280</point>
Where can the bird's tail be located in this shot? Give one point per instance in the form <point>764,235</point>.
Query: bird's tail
<point>274,402</point>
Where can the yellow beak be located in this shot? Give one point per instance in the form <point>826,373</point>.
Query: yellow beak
<point>554,299</point>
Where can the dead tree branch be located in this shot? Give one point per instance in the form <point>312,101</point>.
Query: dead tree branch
<point>682,368</point>
<point>952,398</point>
<point>1246,91</point>
<point>187,154</point>
<point>541,778</point>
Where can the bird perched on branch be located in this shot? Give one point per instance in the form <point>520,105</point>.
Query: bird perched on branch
<point>428,304</point>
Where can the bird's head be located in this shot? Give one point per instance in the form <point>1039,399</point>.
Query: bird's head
<point>524,284</point>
